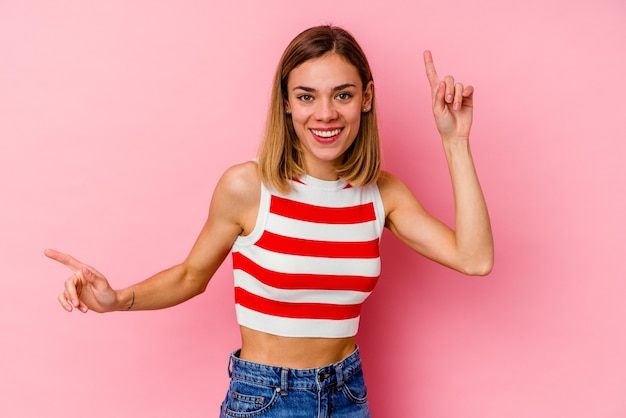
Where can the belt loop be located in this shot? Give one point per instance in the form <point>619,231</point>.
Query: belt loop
<point>284,381</point>
<point>230,366</point>
<point>339,375</point>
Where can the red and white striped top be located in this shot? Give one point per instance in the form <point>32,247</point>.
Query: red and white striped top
<point>311,260</point>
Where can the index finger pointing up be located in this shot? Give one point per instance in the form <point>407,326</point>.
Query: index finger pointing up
<point>431,73</point>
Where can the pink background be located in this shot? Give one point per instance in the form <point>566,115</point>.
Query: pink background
<point>117,118</point>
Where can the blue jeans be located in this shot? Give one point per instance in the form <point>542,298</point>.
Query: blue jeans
<point>333,391</point>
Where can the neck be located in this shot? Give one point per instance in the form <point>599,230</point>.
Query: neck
<point>327,172</point>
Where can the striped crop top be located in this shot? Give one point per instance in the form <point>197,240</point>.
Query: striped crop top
<point>311,260</point>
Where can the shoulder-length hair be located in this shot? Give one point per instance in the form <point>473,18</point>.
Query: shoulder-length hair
<point>281,157</point>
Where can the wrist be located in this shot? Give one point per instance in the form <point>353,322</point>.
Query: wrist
<point>125,300</point>
<point>456,144</point>
<point>454,139</point>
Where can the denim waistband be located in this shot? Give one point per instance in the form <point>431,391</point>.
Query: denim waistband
<point>286,378</point>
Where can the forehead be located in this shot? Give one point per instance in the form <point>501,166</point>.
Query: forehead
<point>329,70</point>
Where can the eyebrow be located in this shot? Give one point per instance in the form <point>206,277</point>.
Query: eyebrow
<point>312,90</point>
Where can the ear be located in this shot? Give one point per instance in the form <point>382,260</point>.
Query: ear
<point>287,107</point>
<point>368,97</point>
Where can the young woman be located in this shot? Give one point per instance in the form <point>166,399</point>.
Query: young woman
<point>303,224</point>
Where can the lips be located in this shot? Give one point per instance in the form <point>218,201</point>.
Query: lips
<point>326,135</point>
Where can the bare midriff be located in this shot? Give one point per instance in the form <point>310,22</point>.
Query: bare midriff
<point>292,352</point>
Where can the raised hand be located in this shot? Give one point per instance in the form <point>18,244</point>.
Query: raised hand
<point>452,102</point>
<point>86,289</point>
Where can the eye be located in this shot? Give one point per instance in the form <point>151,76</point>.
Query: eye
<point>344,96</point>
<point>305,97</point>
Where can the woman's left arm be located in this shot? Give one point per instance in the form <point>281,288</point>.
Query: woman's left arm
<point>469,246</point>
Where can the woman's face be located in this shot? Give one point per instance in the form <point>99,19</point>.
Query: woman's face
<point>325,99</point>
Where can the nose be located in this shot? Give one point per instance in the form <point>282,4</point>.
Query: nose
<point>325,111</point>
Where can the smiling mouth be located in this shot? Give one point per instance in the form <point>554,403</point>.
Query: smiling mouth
<point>326,134</point>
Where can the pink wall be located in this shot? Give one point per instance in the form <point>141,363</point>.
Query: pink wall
<point>117,117</point>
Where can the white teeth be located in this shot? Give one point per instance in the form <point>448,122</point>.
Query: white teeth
<point>326,134</point>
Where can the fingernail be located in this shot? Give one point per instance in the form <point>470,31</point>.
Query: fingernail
<point>449,98</point>
<point>457,106</point>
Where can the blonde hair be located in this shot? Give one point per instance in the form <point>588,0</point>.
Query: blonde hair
<point>280,157</point>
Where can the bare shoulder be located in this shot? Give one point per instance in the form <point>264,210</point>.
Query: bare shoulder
<point>387,181</point>
<point>241,181</point>
<point>392,191</point>
<point>237,195</point>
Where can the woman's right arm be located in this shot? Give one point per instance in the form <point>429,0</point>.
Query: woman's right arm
<point>234,203</point>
